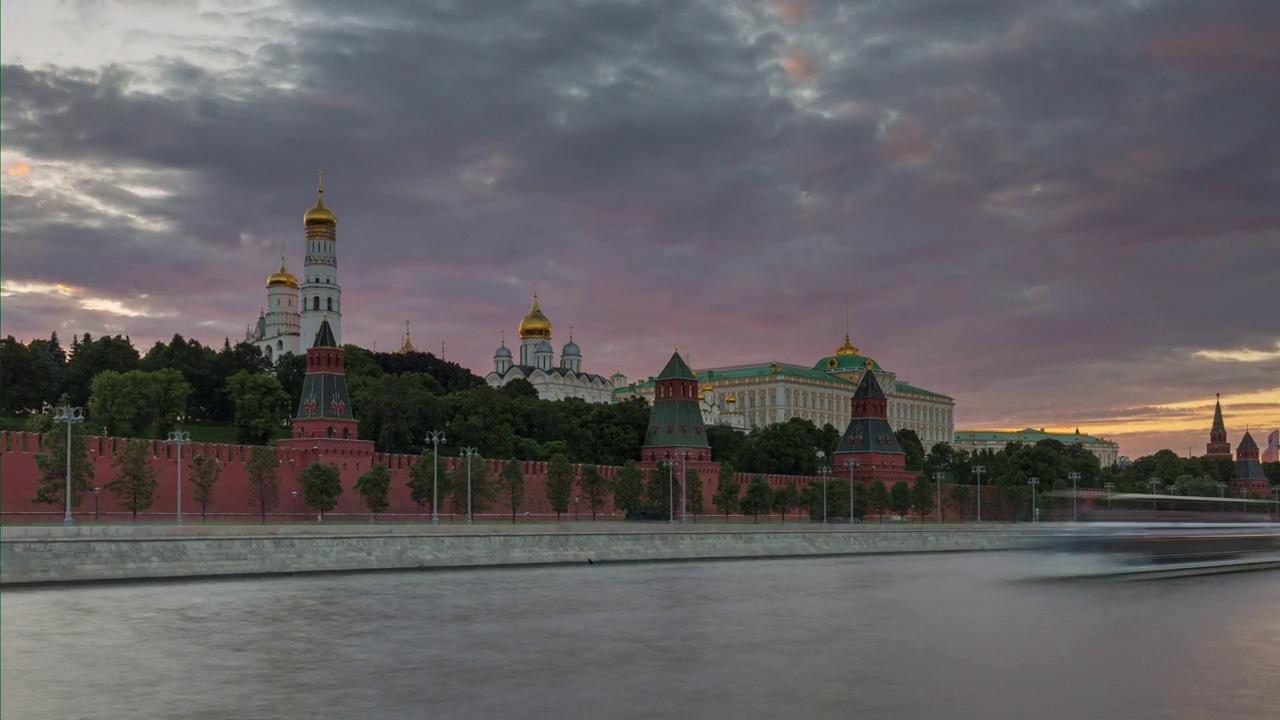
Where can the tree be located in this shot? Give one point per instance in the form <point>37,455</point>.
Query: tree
<point>483,492</point>
<point>959,498</point>
<point>321,485</point>
<point>595,489</point>
<point>786,498</point>
<point>759,498</point>
<point>134,485</point>
<point>1196,486</point>
<point>52,464</point>
<point>259,404</point>
<point>374,487</point>
<point>204,474</point>
<point>912,446</point>
<point>728,491</point>
<point>628,490</point>
<point>426,481</point>
<point>693,489</point>
<point>559,485</point>
<point>511,481</point>
<point>264,480</point>
<point>900,498</point>
<point>878,498</point>
<point>922,499</point>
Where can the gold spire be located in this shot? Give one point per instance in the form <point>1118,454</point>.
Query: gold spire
<point>847,348</point>
<point>407,346</point>
<point>320,214</point>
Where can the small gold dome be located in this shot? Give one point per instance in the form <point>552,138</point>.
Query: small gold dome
<point>731,399</point>
<point>320,214</point>
<point>535,324</point>
<point>283,277</point>
<point>847,348</point>
<point>707,388</point>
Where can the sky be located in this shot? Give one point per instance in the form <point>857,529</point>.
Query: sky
<point>1062,214</point>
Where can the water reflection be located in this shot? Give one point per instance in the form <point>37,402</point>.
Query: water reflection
<point>890,637</point>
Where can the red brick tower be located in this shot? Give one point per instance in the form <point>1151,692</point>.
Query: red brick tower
<point>869,440</point>
<point>1218,445</point>
<point>675,422</point>
<point>324,419</point>
<point>1247,475</point>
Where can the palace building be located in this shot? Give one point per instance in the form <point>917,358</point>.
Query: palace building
<point>1108,452</point>
<point>291,320</point>
<point>537,364</point>
<point>753,396</point>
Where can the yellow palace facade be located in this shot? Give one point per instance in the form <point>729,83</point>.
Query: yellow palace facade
<point>753,396</point>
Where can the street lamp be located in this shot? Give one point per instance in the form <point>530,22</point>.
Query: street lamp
<point>978,470</point>
<point>179,438</point>
<point>468,453</point>
<point>293,511</point>
<point>70,416</point>
<point>683,454</point>
<point>1033,482</point>
<point>435,437</point>
<point>937,480</point>
<point>851,464</point>
<point>1222,490</point>
<point>96,490</point>
<point>671,489</point>
<point>1109,486</point>
<point>824,471</point>
<point>1074,477</point>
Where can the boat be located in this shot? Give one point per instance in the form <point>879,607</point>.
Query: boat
<point>1141,536</point>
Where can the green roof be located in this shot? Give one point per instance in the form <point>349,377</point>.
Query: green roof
<point>676,368</point>
<point>744,372</point>
<point>1026,435</point>
<point>844,363</point>
<point>675,423</point>
<point>906,388</point>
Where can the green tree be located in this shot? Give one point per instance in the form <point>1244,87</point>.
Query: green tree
<point>483,491</point>
<point>960,498</point>
<point>259,404</point>
<point>785,498</point>
<point>427,480</point>
<point>922,497</point>
<point>374,487</point>
<point>204,474</point>
<point>321,485</point>
<point>628,490</point>
<point>134,485</point>
<point>594,487</point>
<point>900,498</point>
<point>693,487</point>
<point>878,498</point>
<point>52,464</point>
<point>912,446</point>
<point>659,492</point>
<point>263,470</point>
<point>728,491</point>
<point>1196,486</point>
<point>511,482</point>
<point>90,357</point>
<point>759,498</point>
<point>107,400</point>
<point>559,484</point>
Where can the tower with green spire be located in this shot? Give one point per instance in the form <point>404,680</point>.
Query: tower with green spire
<point>676,419</point>
<point>1218,445</point>
<point>324,409</point>
<point>869,450</point>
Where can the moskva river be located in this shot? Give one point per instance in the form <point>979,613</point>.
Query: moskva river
<point>901,637</point>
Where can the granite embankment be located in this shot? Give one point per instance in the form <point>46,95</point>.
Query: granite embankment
<point>31,555</point>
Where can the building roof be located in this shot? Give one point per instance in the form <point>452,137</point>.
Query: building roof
<point>785,371</point>
<point>902,388</point>
<point>869,387</point>
<point>324,337</point>
<point>1025,435</point>
<point>1218,425</point>
<point>675,422</point>
<point>676,369</point>
<point>1247,442</point>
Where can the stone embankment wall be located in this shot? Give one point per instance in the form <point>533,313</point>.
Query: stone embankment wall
<point>108,553</point>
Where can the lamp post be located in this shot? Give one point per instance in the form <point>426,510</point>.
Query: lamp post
<point>978,470</point>
<point>435,437</point>
<point>179,438</point>
<point>468,453</point>
<point>1074,477</point>
<point>96,490</point>
<point>671,489</point>
<point>293,510</point>
<point>1222,490</point>
<point>824,471</point>
<point>1109,487</point>
<point>937,480</point>
<point>69,415</point>
<point>851,464</point>
<point>1033,482</point>
<point>683,455</point>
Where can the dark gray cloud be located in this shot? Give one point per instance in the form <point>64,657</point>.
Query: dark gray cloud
<point>1041,208</point>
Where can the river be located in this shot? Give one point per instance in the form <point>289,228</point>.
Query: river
<point>908,636</point>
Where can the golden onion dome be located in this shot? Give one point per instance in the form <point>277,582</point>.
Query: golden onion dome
<point>320,214</point>
<point>283,277</point>
<point>731,399</point>
<point>707,388</point>
<point>847,348</point>
<point>535,324</point>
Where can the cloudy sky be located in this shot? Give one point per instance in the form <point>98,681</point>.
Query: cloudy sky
<point>1060,213</point>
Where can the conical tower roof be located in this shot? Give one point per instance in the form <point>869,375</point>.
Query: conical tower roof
<point>1218,425</point>
<point>324,337</point>
<point>1247,442</point>
<point>676,368</point>
<point>869,387</point>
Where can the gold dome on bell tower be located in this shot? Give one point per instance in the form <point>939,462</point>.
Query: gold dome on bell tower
<point>282,277</point>
<point>535,324</point>
<point>320,214</point>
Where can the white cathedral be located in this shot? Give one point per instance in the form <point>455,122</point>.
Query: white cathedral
<point>289,323</point>
<point>537,364</point>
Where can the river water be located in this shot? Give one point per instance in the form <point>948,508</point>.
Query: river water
<point>919,636</point>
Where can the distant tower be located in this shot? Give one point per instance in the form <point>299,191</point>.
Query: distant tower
<point>675,422</point>
<point>535,330</point>
<point>321,295</point>
<point>571,355</point>
<point>502,357</point>
<point>1247,475</point>
<point>869,439</point>
<point>324,410</point>
<point>1218,445</point>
